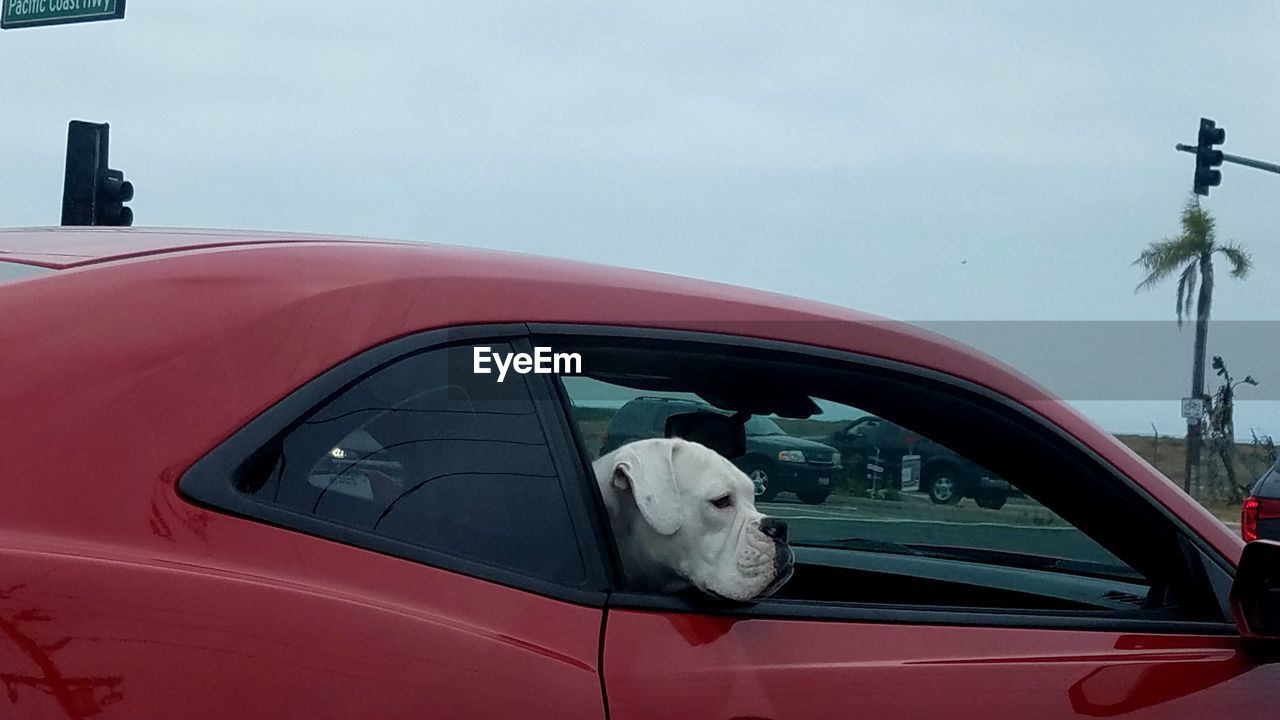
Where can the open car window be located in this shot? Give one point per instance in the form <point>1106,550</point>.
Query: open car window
<point>900,490</point>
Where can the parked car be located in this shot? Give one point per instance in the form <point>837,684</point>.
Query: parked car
<point>775,461</point>
<point>946,476</point>
<point>1260,516</point>
<point>168,396</point>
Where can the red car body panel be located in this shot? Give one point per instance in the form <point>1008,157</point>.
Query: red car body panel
<point>149,348</point>
<point>707,667</point>
<point>305,629</point>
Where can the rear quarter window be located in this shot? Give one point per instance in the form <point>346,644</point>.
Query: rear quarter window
<point>421,459</point>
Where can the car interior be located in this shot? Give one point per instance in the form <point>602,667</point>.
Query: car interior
<point>748,380</point>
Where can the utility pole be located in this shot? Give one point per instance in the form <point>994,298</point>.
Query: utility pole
<point>1207,175</point>
<point>1208,159</point>
<point>1195,428</point>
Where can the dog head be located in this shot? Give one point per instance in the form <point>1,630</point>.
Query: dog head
<point>684,516</point>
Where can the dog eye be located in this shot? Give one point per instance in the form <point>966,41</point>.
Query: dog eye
<point>723,502</point>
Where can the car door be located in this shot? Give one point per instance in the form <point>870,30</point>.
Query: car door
<point>1089,603</point>
<point>677,664</point>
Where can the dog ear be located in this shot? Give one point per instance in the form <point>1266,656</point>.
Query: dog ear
<point>648,471</point>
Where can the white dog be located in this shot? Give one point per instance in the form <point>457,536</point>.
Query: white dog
<point>684,517</point>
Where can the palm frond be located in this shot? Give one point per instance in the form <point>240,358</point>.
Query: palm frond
<point>1162,259</point>
<point>1187,291</point>
<point>1240,259</point>
<point>1198,226</point>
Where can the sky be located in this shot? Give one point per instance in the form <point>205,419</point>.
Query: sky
<point>959,163</point>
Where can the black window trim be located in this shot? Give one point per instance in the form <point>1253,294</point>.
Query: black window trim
<point>1194,548</point>
<point>792,609</point>
<point>579,467</point>
<point>210,481</point>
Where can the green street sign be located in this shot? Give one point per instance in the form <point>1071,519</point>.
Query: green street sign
<point>33,13</point>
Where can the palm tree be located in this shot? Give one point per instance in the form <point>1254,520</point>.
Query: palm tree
<point>1190,254</point>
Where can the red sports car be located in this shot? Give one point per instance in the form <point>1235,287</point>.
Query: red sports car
<point>261,476</point>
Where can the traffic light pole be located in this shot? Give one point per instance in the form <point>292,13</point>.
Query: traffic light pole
<point>1238,160</point>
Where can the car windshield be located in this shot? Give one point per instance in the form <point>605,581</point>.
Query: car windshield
<point>759,426</point>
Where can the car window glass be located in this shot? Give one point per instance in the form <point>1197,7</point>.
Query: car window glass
<point>761,425</point>
<point>428,453</point>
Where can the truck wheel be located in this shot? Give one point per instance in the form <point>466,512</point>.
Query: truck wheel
<point>759,474</point>
<point>944,488</point>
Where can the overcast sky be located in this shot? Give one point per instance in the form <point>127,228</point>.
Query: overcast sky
<point>924,161</point>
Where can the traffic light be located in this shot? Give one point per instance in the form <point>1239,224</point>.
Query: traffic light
<point>1208,158</point>
<point>92,193</point>
<point>113,192</point>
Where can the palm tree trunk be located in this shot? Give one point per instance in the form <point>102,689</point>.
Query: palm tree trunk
<point>1194,432</point>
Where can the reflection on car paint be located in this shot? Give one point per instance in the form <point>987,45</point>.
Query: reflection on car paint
<point>77,696</point>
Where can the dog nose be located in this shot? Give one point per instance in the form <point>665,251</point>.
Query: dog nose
<point>774,528</point>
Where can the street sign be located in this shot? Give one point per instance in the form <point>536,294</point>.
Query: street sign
<point>1193,410</point>
<point>34,13</point>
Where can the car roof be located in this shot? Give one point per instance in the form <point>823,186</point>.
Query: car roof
<point>67,247</point>
<point>129,270</point>
<point>255,315</point>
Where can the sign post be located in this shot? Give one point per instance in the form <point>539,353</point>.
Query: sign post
<point>16,14</point>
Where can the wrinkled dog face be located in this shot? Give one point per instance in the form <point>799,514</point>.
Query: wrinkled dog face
<point>685,516</point>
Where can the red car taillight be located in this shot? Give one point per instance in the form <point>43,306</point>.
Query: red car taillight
<point>1254,511</point>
